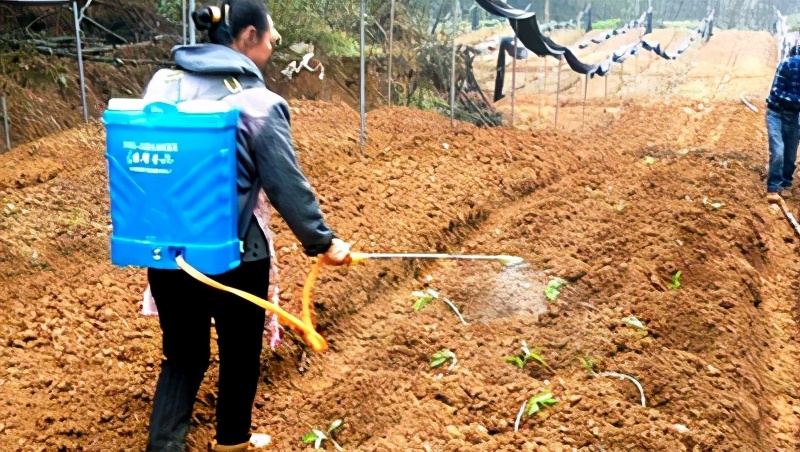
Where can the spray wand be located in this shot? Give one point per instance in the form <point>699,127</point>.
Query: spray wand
<point>305,326</point>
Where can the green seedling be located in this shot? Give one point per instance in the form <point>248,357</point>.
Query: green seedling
<point>423,299</point>
<point>441,357</point>
<point>676,281</point>
<point>553,289</point>
<point>428,297</point>
<point>589,363</point>
<point>539,401</point>
<point>528,356</point>
<point>534,405</point>
<point>634,322</point>
<point>318,436</point>
<point>649,160</point>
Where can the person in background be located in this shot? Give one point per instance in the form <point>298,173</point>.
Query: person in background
<point>783,125</point>
<point>230,69</point>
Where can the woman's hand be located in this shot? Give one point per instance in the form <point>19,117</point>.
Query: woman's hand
<point>338,253</point>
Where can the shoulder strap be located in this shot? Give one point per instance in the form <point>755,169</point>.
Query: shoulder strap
<point>234,85</point>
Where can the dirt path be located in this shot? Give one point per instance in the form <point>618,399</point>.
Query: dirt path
<point>615,210</point>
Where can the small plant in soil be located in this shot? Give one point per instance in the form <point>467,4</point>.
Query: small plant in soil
<point>316,437</point>
<point>553,288</point>
<point>676,281</point>
<point>441,357</point>
<point>534,405</point>
<point>589,364</point>
<point>526,356</point>
<point>423,299</point>
<point>539,401</point>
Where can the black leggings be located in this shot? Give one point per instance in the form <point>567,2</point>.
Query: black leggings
<point>185,308</point>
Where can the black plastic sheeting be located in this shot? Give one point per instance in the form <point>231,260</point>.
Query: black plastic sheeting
<point>529,34</point>
<point>526,27</point>
<point>503,9</point>
<point>624,52</point>
<point>646,19</point>
<point>506,46</point>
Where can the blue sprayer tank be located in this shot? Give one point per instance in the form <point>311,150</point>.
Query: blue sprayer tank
<point>172,183</point>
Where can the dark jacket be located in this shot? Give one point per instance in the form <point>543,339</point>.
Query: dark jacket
<point>265,154</point>
<point>785,92</point>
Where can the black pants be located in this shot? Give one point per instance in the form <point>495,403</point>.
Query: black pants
<point>185,308</point>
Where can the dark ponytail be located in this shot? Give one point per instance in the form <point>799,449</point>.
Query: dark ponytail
<point>224,23</point>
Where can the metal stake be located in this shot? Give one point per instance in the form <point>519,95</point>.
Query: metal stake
<point>514,81</point>
<point>391,46</point>
<point>363,138</point>
<point>5,124</point>
<point>456,7</point>
<point>80,59</point>
<point>183,19</point>
<point>558,89</point>
<point>543,89</point>
<point>585,93</point>
<point>192,33</point>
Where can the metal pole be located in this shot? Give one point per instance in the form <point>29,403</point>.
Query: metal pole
<point>80,59</point>
<point>5,124</point>
<point>391,48</point>
<point>544,83</point>
<point>363,138</point>
<point>192,33</point>
<point>183,19</point>
<point>514,81</point>
<point>585,93</point>
<point>456,7</point>
<point>543,89</point>
<point>606,77</point>
<point>558,88</point>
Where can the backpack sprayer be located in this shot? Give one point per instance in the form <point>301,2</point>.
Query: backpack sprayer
<point>172,183</point>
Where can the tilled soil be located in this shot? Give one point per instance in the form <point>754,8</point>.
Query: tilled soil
<point>615,211</point>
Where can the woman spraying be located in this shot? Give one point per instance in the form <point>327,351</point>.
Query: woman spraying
<point>230,69</point>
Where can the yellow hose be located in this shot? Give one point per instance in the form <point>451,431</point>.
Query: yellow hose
<point>304,327</point>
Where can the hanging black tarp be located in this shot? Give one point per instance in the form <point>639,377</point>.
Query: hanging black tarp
<point>519,53</point>
<point>529,35</point>
<point>503,9</point>
<point>645,20</point>
<point>526,27</point>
